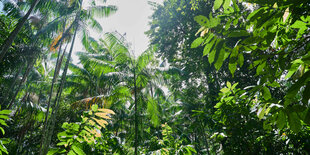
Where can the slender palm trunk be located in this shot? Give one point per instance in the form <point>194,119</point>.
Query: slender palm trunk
<point>51,123</point>
<point>56,71</point>
<point>30,64</point>
<point>8,42</point>
<point>9,91</point>
<point>136,114</point>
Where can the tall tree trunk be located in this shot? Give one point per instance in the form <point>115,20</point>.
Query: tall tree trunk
<point>8,42</point>
<point>55,76</point>
<point>136,113</point>
<point>11,88</point>
<point>51,122</point>
<point>30,64</point>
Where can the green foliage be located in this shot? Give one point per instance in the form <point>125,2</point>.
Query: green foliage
<point>170,145</point>
<point>3,117</point>
<point>260,47</point>
<point>266,41</point>
<point>82,133</point>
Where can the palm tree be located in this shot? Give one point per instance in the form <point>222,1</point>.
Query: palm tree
<point>82,16</point>
<point>110,62</point>
<point>8,42</point>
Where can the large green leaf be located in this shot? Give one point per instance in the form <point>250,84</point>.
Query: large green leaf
<point>202,21</point>
<point>78,150</point>
<point>209,46</point>
<point>256,13</point>
<point>266,93</point>
<point>261,112</point>
<point>5,112</point>
<point>294,89</point>
<point>306,94</point>
<point>238,33</point>
<point>217,4</point>
<point>307,117</point>
<point>226,4</point>
<point>299,24</point>
<point>294,122</point>
<point>281,119</point>
<point>220,59</point>
<point>197,42</point>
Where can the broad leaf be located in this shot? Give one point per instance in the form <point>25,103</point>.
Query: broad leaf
<point>294,122</point>
<point>197,42</point>
<point>217,4</point>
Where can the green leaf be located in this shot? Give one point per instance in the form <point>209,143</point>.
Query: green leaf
<point>281,119</point>
<point>228,84</point>
<point>153,111</point>
<point>299,24</point>
<point>232,68</point>
<point>78,150</point>
<point>261,112</point>
<point>55,151</point>
<point>228,24</point>
<point>217,48</point>
<point>266,93</point>
<point>228,99</point>
<point>240,59</point>
<point>213,21</point>
<point>209,38</point>
<point>3,148</point>
<point>239,33</point>
<point>256,13</point>
<point>102,11</point>
<point>218,105</point>
<point>94,107</point>
<point>2,122</point>
<point>307,117</point>
<point>226,4</point>
<point>234,86</point>
<point>208,47</point>
<point>4,117</point>
<point>306,94</point>
<point>293,90</point>
<point>2,130</point>
<point>211,56</point>
<point>5,112</point>
<point>260,68</point>
<point>61,143</point>
<point>294,122</point>
<point>274,84</point>
<point>220,59</point>
<point>202,21</point>
<point>217,4</point>
<point>197,42</point>
<point>225,90</point>
<point>71,152</point>
<point>235,6</point>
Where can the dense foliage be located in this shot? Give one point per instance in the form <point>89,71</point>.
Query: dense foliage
<point>219,77</point>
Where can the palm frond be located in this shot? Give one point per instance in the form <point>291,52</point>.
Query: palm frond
<point>102,11</point>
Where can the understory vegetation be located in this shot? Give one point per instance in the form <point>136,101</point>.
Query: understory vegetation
<point>218,77</point>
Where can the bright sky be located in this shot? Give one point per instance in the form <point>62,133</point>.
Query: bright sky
<point>132,18</point>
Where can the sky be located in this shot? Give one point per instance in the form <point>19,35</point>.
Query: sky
<point>132,18</point>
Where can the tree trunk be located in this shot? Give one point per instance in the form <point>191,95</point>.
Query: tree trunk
<point>51,123</point>
<point>136,114</point>
<point>11,88</point>
<point>8,42</point>
<point>30,64</point>
<point>56,71</point>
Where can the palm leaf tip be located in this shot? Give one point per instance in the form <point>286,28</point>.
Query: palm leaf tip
<point>103,11</point>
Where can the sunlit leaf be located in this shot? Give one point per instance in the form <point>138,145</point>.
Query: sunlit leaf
<point>217,4</point>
